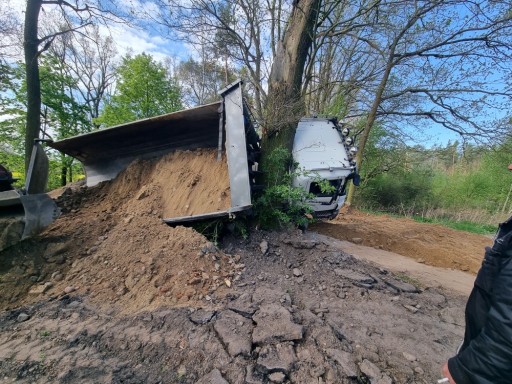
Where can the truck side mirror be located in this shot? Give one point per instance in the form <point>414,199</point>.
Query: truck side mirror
<point>356,179</point>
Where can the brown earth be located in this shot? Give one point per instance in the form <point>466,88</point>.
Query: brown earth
<point>110,294</point>
<point>431,244</point>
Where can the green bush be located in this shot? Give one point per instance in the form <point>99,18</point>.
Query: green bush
<point>280,205</point>
<point>393,192</point>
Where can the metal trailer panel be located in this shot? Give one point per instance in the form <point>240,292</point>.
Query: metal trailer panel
<point>236,146</point>
<point>38,168</point>
<point>107,152</point>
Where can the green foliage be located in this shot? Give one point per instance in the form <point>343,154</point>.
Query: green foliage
<point>459,184</point>
<point>144,89</point>
<point>281,205</point>
<point>467,226</point>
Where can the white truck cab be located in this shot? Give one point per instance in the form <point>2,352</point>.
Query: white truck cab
<point>322,150</point>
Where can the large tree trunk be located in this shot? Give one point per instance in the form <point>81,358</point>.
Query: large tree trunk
<point>285,105</point>
<point>31,48</point>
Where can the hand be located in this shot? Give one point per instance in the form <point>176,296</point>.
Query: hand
<point>447,374</point>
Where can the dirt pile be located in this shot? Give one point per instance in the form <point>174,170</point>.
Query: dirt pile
<point>111,241</point>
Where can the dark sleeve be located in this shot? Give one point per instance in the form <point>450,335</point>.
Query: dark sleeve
<point>488,357</point>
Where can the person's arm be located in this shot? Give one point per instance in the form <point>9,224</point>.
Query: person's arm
<point>488,357</point>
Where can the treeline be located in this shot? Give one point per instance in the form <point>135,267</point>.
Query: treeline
<point>458,182</point>
<point>85,86</point>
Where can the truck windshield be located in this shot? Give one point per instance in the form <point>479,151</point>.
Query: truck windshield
<point>316,190</point>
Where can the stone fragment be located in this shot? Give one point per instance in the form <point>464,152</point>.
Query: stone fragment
<point>69,289</point>
<point>297,272</point>
<point>276,358</point>
<point>374,373</point>
<point>277,377</point>
<point>301,244</point>
<point>54,249</point>
<point>354,276</point>
<point>40,289</point>
<point>264,246</point>
<point>22,317</point>
<point>234,331</point>
<point>201,316</point>
<point>409,356</point>
<point>357,240</point>
<point>274,324</point>
<point>452,316</point>
<point>265,295</point>
<point>214,377</point>
<point>401,286</point>
<point>345,361</point>
<point>243,305</point>
<point>411,308</point>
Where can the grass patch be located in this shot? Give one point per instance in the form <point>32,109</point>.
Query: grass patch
<point>467,226</point>
<point>407,279</point>
<point>461,225</point>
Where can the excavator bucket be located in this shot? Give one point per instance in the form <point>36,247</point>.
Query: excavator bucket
<point>220,126</point>
<point>24,214</point>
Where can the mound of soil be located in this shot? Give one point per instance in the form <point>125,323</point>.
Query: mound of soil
<point>112,244</point>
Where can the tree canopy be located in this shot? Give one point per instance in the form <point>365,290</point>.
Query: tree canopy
<point>144,89</point>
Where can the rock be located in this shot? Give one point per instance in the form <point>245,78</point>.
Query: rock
<point>214,377</point>
<point>401,286</point>
<point>276,358</point>
<point>452,316</point>
<point>243,305</point>
<point>374,373</point>
<point>297,272</point>
<point>419,370</point>
<point>54,249</point>
<point>411,308</point>
<point>344,360</point>
<point>234,331</point>
<point>264,295</point>
<point>40,289</point>
<point>57,276</point>
<point>69,289</point>
<point>143,194</point>
<point>274,324</point>
<point>22,317</point>
<point>354,276</point>
<point>357,240</point>
<point>201,316</point>
<point>264,246</point>
<point>301,244</point>
<point>409,357</point>
<point>252,377</point>
<point>277,377</point>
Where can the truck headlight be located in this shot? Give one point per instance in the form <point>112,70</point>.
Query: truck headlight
<point>349,141</point>
<point>345,131</point>
<point>353,151</point>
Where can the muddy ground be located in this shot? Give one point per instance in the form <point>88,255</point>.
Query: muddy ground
<point>110,294</point>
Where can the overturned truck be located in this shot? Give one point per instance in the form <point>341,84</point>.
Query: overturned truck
<point>222,126</point>
<point>322,150</point>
